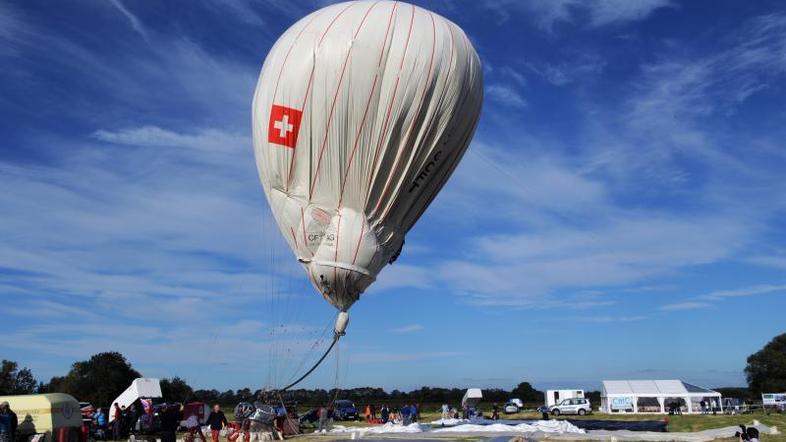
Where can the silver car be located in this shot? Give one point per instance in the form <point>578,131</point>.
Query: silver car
<point>580,406</point>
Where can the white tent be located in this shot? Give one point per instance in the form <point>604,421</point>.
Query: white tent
<point>147,388</point>
<point>655,396</point>
<point>472,397</point>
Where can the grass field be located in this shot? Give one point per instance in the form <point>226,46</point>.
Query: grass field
<point>675,423</point>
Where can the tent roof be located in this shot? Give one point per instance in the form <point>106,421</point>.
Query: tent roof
<point>654,388</point>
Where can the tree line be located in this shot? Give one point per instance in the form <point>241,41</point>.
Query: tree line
<point>102,377</point>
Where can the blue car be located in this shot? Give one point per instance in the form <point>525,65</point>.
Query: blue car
<point>345,410</point>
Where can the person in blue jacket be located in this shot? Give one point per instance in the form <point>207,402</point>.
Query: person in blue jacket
<point>100,418</point>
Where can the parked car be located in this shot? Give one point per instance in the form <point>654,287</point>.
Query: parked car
<point>344,410</point>
<point>309,417</point>
<point>518,402</point>
<point>510,408</point>
<point>580,406</point>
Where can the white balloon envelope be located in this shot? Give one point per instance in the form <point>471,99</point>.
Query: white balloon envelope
<point>361,113</point>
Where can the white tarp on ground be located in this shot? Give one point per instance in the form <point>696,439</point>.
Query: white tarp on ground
<point>651,436</point>
<point>553,426</point>
<point>389,427</point>
<point>556,429</point>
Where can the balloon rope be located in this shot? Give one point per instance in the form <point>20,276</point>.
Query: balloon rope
<point>332,344</point>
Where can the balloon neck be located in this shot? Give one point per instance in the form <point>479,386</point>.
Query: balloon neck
<point>342,321</point>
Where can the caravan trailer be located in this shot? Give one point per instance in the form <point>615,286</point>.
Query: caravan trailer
<point>554,397</point>
<point>52,417</point>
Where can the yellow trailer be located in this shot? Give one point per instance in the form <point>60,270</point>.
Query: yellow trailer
<point>52,417</point>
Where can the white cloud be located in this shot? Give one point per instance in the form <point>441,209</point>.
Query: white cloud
<point>605,12</point>
<point>505,95</point>
<point>688,305</point>
<point>377,357</point>
<point>206,139</point>
<point>132,19</point>
<point>411,328</point>
<point>778,262</point>
<point>746,291</point>
<point>608,318</point>
<point>708,299</point>
<point>402,275</point>
<point>522,269</point>
<point>547,13</point>
<point>578,68</point>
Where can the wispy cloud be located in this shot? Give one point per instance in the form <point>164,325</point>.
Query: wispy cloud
<point>746,291</point>
<point>132,19</point>
<point>776,261</point>
<point>547,13</point>
<point>568,72</point>
<point>608,318</point>
<point>505,95</point>
<point>708,299</point>
<point>411,328</point>
<point>607,12</point>
<point>377,357</point>
<point>207,139</point>
<point>688,305</point>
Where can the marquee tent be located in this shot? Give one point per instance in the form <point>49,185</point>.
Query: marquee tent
<point>651,396</point>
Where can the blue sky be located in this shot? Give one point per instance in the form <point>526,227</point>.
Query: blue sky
<point>619,214</point>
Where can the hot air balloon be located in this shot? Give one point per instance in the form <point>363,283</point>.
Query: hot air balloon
<point>361,113</point>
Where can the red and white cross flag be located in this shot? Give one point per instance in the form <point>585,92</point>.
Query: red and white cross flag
<point>284,126</point>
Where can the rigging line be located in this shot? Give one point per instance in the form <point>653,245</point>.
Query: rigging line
<point>269,256</point>
<point>286,412</point>
<point>332,344</point>
<point>306,355</point>
<point>335,395</point>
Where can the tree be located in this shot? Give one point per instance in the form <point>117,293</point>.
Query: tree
<point>209,396</point>
<point>735,392</point>
<point>766,369</point>
<point>15,381</point>
<point>527,393</point>
<point>98,380</point>
<point>176,390</point>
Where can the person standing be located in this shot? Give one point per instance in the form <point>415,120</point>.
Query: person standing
<point>8,423</point>
<point>322,414</point>
<point>116,416</point>
<point>100,419</point>
<point>406,414</point>
<point>217,421</point>
<point>445,411</point>
<point>331,415</point>
<point>384,413</point>
<point>193,428</point>
<point>170,420</point>
<point>5,424</point>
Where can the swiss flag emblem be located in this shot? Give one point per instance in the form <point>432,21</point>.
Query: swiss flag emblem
<point>284,126</point>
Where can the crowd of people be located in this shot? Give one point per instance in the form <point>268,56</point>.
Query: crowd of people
<point>138,419</point>
<point>405,415</point>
